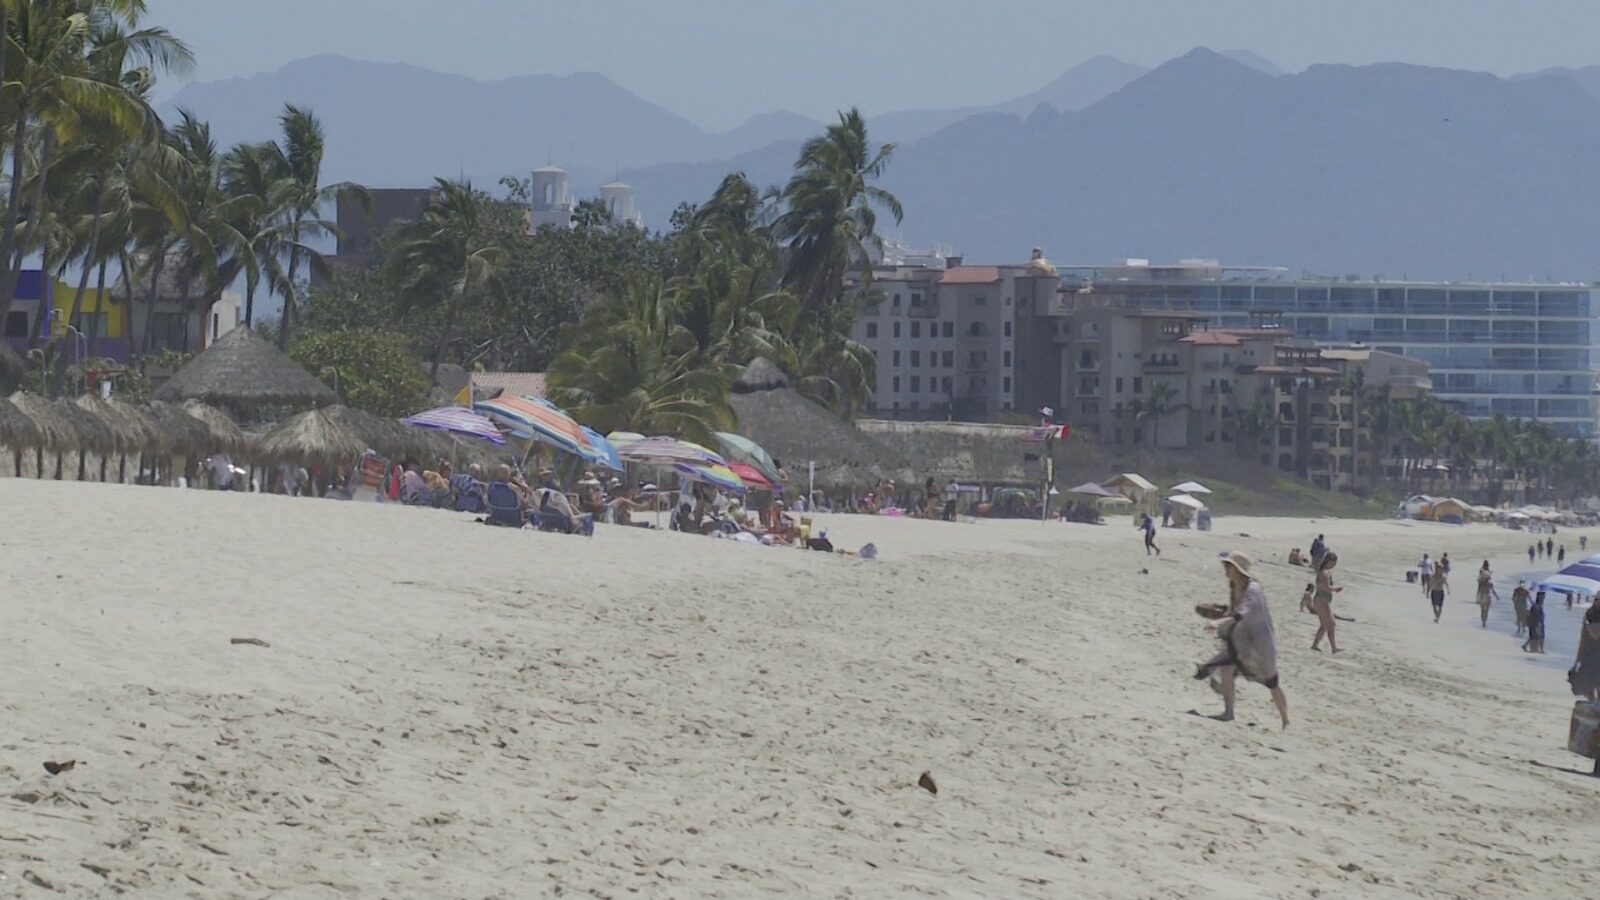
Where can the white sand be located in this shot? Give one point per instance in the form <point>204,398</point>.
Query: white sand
<point>452,710</point>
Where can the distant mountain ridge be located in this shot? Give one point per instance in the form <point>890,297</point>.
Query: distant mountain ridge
<point>1390,168</point>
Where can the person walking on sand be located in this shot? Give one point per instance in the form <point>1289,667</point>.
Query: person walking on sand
<point>1319,548</point>
<point>1486,591</point>
<point>1549,546</point>
<point>1249,643</point>
<point>1444,562</point>
<point>1322,601</point>
<point>1438,586</point>
<point>1535,641</point>
<point>1583,543</point>
<point>1561,555</point>
<point>1531,553</point>
<point>1519,605</point>
<point>1426,568</point>
<point>1150,535</point>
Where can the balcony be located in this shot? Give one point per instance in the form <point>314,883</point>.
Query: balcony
<point>925,309</point>
<point>1162,363</point>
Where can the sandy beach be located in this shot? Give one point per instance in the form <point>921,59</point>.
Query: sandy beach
<point>448,710</point>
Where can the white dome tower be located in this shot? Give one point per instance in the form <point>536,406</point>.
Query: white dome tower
<point>618,200</point>
<point>552,198</point>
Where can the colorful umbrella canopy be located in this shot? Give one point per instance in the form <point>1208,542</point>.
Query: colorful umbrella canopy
<point>537,419</point>
<point>751,476</point>
<point>717,475</point>
<point>456,420</point>
<point>738,447</point>
<point>604,452</point>
<point>662,451</point>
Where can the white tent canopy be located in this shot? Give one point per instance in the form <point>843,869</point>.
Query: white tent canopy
<point>1186,500</point>
<point>1191,487</point>
<point>1131,479</point>
<point>1090,489</point>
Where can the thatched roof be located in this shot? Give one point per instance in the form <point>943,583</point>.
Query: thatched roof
<point>93,434</point>
<point>244,372</point>
<point>761,375</point>
<point>17,430</point>
<point>132,431</point>
<point>796,430</point>
<point>55,432</point>
<point>964,452</point>
<point>12,369</point>
<point>226,436</point>
<point>310,438</point>
<point>390,438</point>
<point>184,433</point>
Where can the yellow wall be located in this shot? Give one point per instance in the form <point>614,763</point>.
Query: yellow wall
<point>116,323</point>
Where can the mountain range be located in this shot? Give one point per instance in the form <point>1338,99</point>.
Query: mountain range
<point>1392,169</point>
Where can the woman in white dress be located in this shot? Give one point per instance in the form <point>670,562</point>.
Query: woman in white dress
<point>1250,645</point>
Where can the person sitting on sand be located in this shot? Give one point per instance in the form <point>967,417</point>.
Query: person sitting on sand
<point>1249,644</point>
<point>1306,597</point>
<point>555,510</point>
<point>1322,601</point>
<point>1486,592</point>
<point>1519,605</point>
<point>1294,557</point>
<point>1535,641</point>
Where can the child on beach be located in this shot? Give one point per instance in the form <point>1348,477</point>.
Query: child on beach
<point>1305,599</point>
<point>1535,641</point>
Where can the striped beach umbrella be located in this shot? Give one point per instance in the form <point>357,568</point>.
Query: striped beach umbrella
<point>751,476</point>
<point>738,447</point>
<point>717,475</point>
<point>603,452</point>
<point>536,419</point>
<point>663,451</point>
<point>457,420</point>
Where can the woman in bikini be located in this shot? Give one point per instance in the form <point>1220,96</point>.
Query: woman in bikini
<point>1322,601</point>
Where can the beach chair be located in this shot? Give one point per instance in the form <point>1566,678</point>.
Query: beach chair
<point>469,493</point>
<point>505,507</point>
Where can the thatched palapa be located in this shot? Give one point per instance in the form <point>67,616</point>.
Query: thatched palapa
<point>963,451</point>
<point>93,434</point>
<point>185,433</point>
<point>796,430</point>
<point>226,436</point>
<point>131,430</point>
<point>244,374</point>
<point>308,439</point>
<point>55,433</point>
<point>17,431</point>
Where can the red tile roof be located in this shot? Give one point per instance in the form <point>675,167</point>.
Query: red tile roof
<point>971,275</point>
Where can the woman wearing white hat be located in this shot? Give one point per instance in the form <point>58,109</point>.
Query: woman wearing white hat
<point>1250,646</point>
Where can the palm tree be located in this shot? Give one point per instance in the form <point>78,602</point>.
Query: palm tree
<point>262,196</point>
<point>1155,406</point>
<point>450,252</point>
<point>298,158</point>
<point>50,67</point>
<point>633,368</point>
<point>831,222</point>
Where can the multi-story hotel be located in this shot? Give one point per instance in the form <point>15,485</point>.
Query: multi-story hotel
<point>1526,351</point>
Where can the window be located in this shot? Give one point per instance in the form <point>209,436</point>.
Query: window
<point>1138,385</point>
<point>1008,329</point>
<point>980,300</point>
<point>977,359</point>
<point>916,384</point>
<point>872,330</point>
<point>948,385</point>
<point>949,359</point>
<point>916,329</point>
<point>897,384</point>
<point>897,329</point>
<point>96,323</point>
<point>896,303</point>
<point>916,360</point>
<point>1005,384</point>
<point>166,330</point>
<point>1119,384</point>
<point>897,361</point>
<point>977,329</point>
<point>933,385</point>
<point>949,329</point>
<point>1007,362</point>
<point>916,298</point>
<point>17,323</point>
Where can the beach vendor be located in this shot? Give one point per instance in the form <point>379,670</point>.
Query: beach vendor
<point>1249,642</point>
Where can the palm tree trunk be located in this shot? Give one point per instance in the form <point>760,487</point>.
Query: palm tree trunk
<point>8,231</point>
<point>150,303</point>
<point>100,303</point>
<point>83,285</point>
<point>183,309</point>
<point>290,304</point>
<point>249,303</point>
<point>128,276</point>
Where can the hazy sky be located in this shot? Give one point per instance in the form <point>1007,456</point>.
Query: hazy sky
<point>719,61</point>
